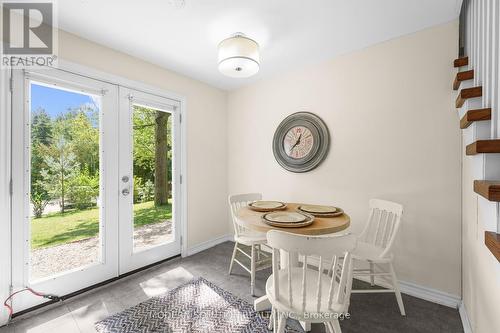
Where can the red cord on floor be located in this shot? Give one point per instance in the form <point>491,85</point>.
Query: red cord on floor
<point>36,293</point>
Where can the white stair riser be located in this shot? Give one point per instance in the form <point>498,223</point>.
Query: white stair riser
<point>478,130</point>
<point>491,166</point>
<point>487,213</point>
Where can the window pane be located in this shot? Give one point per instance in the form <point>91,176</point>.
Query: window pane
<point>65,184</point>
<point>152,153</point>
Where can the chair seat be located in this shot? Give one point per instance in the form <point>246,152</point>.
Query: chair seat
<point>311,295</point>
<point>251,238</point>
<point>367,251</point>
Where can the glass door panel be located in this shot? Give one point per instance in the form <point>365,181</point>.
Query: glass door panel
<point>65,180</point>
<point>152,170</point>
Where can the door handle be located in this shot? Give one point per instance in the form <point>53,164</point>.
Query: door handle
<point>125,191</point>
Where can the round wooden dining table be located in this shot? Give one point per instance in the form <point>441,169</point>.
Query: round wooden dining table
<point>321,226</point>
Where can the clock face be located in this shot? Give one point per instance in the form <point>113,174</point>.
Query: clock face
<point>301,142</point>
<point>298,142</point>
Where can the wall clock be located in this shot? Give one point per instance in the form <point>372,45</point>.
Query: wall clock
<point>301,142</point>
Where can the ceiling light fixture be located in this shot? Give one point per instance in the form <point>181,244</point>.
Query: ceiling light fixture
<point>239,56</point>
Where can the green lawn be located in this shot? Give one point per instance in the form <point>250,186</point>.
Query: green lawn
<point>56,228</point>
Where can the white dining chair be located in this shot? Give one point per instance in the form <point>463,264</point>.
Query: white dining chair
<point>244,237</point>
<point>375,246</point>
<point>318,293</point>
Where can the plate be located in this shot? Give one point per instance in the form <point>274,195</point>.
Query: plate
<point>277,217</point>
<point>266,206</point>
<point>316,209</point>
<point>290,225</point>
<point>338,212</point>
<point>285,217</point>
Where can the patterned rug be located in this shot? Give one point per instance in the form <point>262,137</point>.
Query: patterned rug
<point>197,306</point>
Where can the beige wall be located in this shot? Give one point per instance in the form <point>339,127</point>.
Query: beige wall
<point>206,130</point>
<point>394,136</point>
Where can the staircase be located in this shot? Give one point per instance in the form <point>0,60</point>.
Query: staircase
<point>476,120</point>
<point>478,102</point>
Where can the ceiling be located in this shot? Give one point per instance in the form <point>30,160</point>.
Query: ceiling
<point>182,35</point>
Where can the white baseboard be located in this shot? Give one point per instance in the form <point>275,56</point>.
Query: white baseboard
<point>415,290</point>
<point>425,293</point>
<point>465,318</point>
<point>429,294</point>
<point>208,244</point>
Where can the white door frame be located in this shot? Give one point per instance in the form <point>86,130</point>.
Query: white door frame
<point>130,259</point>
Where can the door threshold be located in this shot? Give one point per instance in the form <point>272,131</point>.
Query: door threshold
<point>94,286</point>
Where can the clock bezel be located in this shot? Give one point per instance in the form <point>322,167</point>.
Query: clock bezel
<point>321,142</point>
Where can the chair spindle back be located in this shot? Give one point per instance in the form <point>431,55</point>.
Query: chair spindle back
<point>383,224</point>
<point>338,273</point>
<point>236,202</point>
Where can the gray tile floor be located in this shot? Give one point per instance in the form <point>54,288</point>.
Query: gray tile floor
<point>371,313</point>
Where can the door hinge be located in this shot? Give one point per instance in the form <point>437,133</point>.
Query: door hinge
<point>180,178</point>
<point>180,117</point>
<point>181,240</point>
<point>11,188</point>
<point>11,84</point>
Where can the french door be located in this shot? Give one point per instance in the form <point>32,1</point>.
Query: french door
<point>149,180</point>
<point>95,181</point>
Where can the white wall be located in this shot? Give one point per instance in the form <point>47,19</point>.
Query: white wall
<point>394,134</point>
<point>206,130</point>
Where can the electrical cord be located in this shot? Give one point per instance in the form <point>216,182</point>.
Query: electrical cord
<point>36,293</point>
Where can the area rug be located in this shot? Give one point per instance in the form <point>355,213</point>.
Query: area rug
<point>197,306</point>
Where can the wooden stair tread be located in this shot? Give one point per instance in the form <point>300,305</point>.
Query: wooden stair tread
<point>464,61</point>
<point>467,93</point>
<point>489,189</point>
<point>483,147</point>
<point>475,115</point>
<point>492,242</point>
<point>462,76</point>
